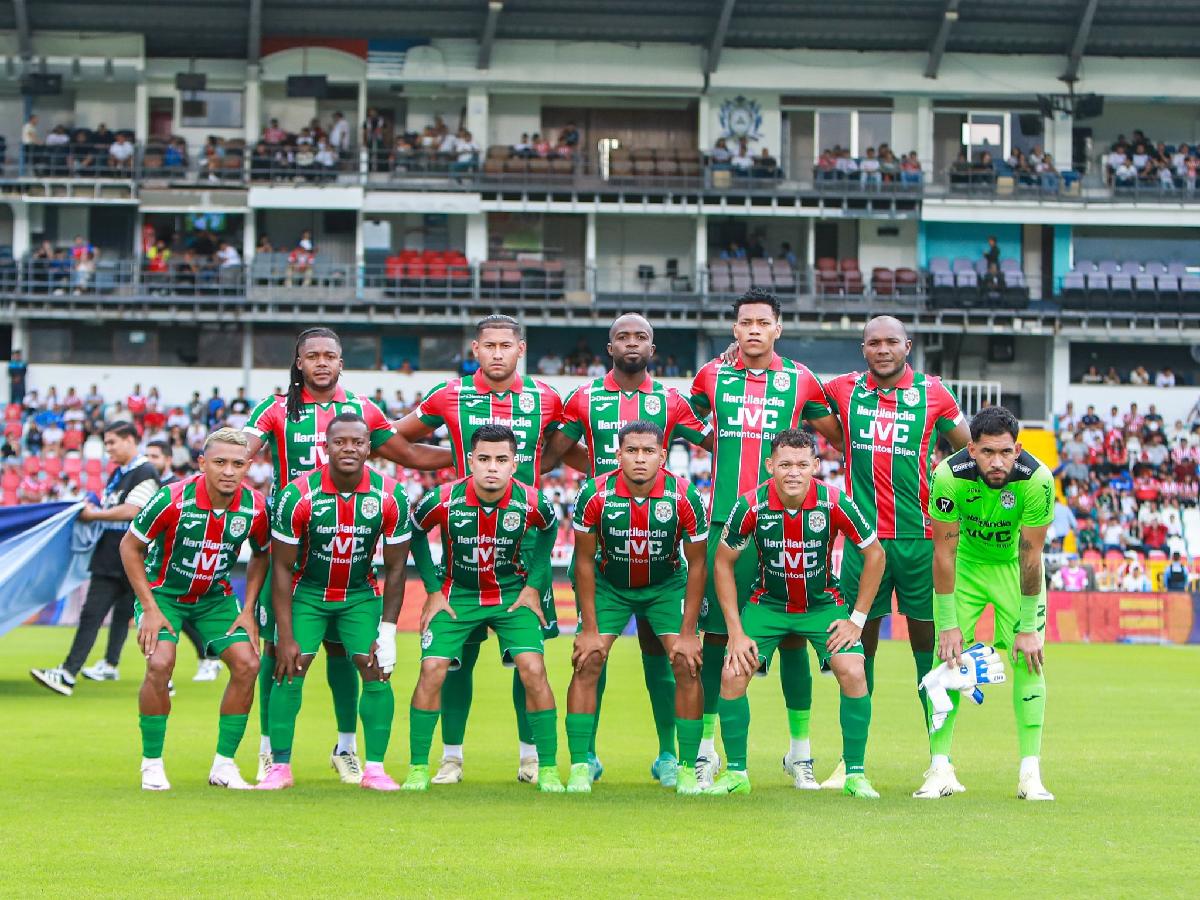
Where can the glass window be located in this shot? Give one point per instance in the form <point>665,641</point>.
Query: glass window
<point>222,109</point>
<point>94,345</point>
<point>49,344</point>
<point>833,130</point>
<point>874,128</point>
<point>360,351</point>
<point>223,349</point>
<point>140,344</point>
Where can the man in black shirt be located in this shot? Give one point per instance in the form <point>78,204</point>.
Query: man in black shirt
<point>16,378</point>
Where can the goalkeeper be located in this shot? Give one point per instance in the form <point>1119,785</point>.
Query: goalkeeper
<point>991,505</point>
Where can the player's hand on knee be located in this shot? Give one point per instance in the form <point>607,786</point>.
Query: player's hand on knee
<point>383,650</point>
<point>1030,644</point>
<point>688,651</point>
<point>153,621</point>
<point>289,661</point>
<point>842,634</point>
<point>530,599</point>
<point>950,646</point>
<point>248,622</point>
<point>434,604</point>
<point>587,643</point>
<point>741,657</point>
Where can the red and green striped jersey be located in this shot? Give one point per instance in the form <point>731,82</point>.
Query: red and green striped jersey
<point>597,411</point>
<point>193,546</point>
<point>528,406</point>
<point>638,538</point>
<point>298,448</point>
<point>337,533</point>
<point>483,562</point>
<point>890,435</point>
<point>794,546</point>
<point>748,409</point>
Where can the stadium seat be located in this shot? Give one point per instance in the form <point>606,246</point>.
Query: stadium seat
<point>908,282</point>
<point>826,264</point>
<point>883,282</point>
<point>52,465</point>
<point>760,273</point>
<point>785,278</point>
<point>719,279</point>
<point>739,273</point>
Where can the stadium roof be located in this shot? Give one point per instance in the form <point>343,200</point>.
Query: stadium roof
<point>1071,28</point>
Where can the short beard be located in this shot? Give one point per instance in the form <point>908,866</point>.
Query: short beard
<point>621,365</point>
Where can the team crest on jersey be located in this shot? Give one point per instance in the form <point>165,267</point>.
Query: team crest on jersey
<point>911,396</point>
<point>262,616</point>
<point>816,521</point>
<point>653,405</point>
<point>662,511</point>
<point>237,526</point>
<point>512,521</point>
<point>426,639</point>
<point>1008,499</point>
<point>526,403</point>
<point>370,507</point>
<point>782,381</point>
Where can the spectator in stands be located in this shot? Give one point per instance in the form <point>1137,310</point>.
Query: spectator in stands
<point>742,160</point>
<point>1092,376</point>
<point>216,409</point>
<point>1048,174</point>
<point>869,170</point>
<point>373,138</point>
<point>136,404</point>
<point>228,256</point>
<point>1154,535</point>
<point>1152,423</point>
<point>1166,177</point>
<point>719,156</point>
<point>541,147</point>
<point>30,144</point>
<point>991,253</point>
<point>550,364</point>
<point>569,136</point>
<point>910,169</point>
<point>175,156</point>
<point>522,149</point>
<point>1176,576</point>
<point>764,165</point>
<point>1112,376</point>
<point>305,159</point>
<point>786,254</point>
<point>1141,158</point>
<point>447,147</point>
<point>17,371</point>
<point>239,410</point>
<point>1062,525</point>
<point>300,261</point>
<point>1165,378</point>
<point>185,272</point>
<point>1134,420</point>
<point>325,161</point>
<point>402,155</point>
<point>1135,581</point>
<point>273,134</point>
<point>120,155</point>
<point>1113,535</point>
<point>339,133</point>
<point>1115,420</point>
<point>734,251</point>
<point>466,152</point>
<point>1071,577</point>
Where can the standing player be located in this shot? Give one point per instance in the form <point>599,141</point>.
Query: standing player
<point>793,520</point>
<point>628,528</point>
<point>327,526</point>
<point>597,412</point>
<point>751,400</point>
<point>293,426</point>
<point>991,505</point>
<point>178,554</point>
<point>493,576</point>
<point>494,395</point>
<point>892,417</point>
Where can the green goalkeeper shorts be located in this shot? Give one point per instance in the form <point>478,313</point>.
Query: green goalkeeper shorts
<point>659,604</point>
<point>978,584</point>
<point>745,571</point>
<point>212,617</point>
<point>908,572</point>
<point>354,624</point>
<point>768,627</point>
<point>518,631</point>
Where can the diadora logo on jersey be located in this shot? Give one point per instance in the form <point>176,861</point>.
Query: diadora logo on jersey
<point>1008,499</point>
<point>526,403</point>
<point>911,396</point>
<point>511,521</point>
<point>663,511</point>
<point>370,507</point>
<point>653,405</point>
<point>816,521</point>
<point>237,526</point>
<point>782,381</point>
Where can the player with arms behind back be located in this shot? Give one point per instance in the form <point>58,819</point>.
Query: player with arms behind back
<point>991,505</point>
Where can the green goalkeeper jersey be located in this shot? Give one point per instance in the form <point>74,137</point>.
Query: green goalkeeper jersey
<point>991,518</point>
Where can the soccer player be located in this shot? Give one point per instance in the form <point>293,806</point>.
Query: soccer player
<point>793,520</point>
<point>752,399</point>
<point>491,576</point>
<point>178,553</point>
<point>991,505</point>
<point>596,413</point>
<point>628,528</point>
<point>892,417</point>
<point>327,525</point>
<point>293,427</point>
<point>494,395</point>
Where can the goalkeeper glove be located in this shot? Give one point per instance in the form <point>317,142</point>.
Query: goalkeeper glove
<point>385,647</point>
<point>981,665</point>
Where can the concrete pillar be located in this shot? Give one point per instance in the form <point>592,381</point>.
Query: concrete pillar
<point>477,113</point>
<point>700,278</point>
<point>704,128</point>
<point>141,108</point>
<point>20,337</point>
<point>360,252</point>
<point>247,354</point>
<point>589,253</point>
<point>1058,137</point>
<point>249,237</point>
<point>253,124</point>
<point>22,240</point>
<point>912,127</point>
<point>477,238</point>
<point>1058,371</point>
<point>924,134</point>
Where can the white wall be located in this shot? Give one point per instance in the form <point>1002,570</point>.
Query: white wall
<point>1027,375</point>
<point>421,110</point>
<point>511,115</point>
<point>892,252</point>
<point>112,104</point>
<point>293,113</point>
<point>623,244</point>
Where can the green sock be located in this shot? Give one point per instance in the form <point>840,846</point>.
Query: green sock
<point>1029,704</point>
<point>525,732</point>
<point>266,677</point>
<point>689,741</point>
<point>342,675</point>
<point>286,699</point>
<point>421,723</point>
<point>154,733</point>
<point>798,720</point>
<point>230,730</point>
<point>940,740</point>
<point>795,677</point>
<point>735,730</point>
<point>869,665</point>
<point>708,727</point>
<point>457,692</point>
<point>599,696</point>
<point>544,725</point>
<point>712,659</point>
<point>660,683</point>
<point>924,663</point>
<point>856,721</point>
<point>580,728</point>
<point>377,708</point>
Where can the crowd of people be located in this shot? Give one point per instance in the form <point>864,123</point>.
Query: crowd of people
<point>1138,162</point>
<point>83,152</point>
<point>878,166</point>
<point>1139,376</point>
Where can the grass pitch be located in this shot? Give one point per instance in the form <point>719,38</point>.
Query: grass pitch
<point>1121,753</point>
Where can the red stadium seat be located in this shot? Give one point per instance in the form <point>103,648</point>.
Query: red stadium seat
<point>8,498</point>
<point>12,412</point>
<point>73,466</point>
<point>93,467</point>
<point>95,484</point>
<point>52,465</point>
<point>11,479</point>
<point>31,465</point>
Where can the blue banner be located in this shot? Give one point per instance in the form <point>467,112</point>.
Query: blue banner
<point>38,563</point>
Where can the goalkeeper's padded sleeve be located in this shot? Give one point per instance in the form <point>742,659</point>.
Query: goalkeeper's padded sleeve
<point>945,611</point>
<point>1029,606</point>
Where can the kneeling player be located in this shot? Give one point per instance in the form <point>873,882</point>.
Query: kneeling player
<point>485,580</point>
<point>327,526</point>
<point>628,527</point>
<point>177,554</point>
<point>793,519</point>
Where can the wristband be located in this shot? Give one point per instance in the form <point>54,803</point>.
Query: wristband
<point>1029,608</point>
<point>388,630</point>
<point>858,618</point>
<point>945,612</point>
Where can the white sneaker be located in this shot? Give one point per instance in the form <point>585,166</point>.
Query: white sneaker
<point>170,687</point>
<point>940,781</point>
<point>226,775</point>
<point>706,770</point>
<point>801,773</point>
<point>1030,787</point>
<point>101,671</point>
<point>451,771</point>
<point>55,679</point>
<point>527,771</point>
<point>837,778</point>
<point>208,670</point>
<point>154,776</point>
<point>347,766</point>
<point>265,761</point>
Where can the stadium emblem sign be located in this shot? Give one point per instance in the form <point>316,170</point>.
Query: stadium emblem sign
<point>662,511</point>
<point>1008,499</point>
<point>526,403</point>
<point>782,381</point>
<point>370,507</point>
<point>653,405</point>
<point>816,521</point>
<point>237,526</point>
<point>741,118</point>
<point>911,396</point>
<point>512,521</point>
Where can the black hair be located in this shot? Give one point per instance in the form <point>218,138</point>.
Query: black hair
<point>295,378</point>
<point>162,446</point>
<point>795,438</point>
<point>994,420</point>
<point>122,430</point>
<point>499,321</point>
<point>758,295</point>
<point>344,417</point>
<point>640,427</point>
<point>493,434</point>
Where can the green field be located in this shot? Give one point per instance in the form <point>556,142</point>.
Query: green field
<point>1121,754</point>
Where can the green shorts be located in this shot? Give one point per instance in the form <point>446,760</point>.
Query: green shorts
<point>978,584</point>
<point>354,624</point>
<point>768,627</point>
<point>745,571</point>
<point>659,604</point>
<point>549,610</point>
<point>265,611</point>
<point>908,572</point>
<point>212,617</point>
<point>518,631</point>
